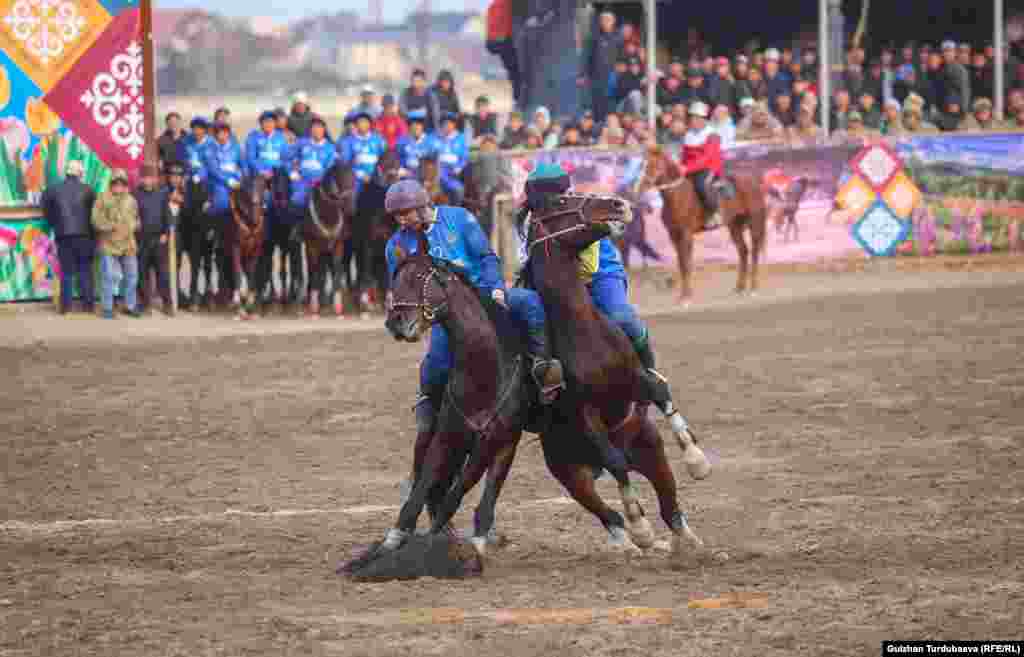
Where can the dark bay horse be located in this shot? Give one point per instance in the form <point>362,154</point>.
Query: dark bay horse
<point>372,229</point>
<point>683,216</point>
<point>604,376</point>
<point>198,237</point>
<point>326,227</point>
<point>243,237</point>
<point>485,403</point>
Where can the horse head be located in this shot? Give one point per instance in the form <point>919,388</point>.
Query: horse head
<point>334,201</point>
<point>659,170</point>
<point>429,175</point>
<point>197,194</point>
<point>575,221</point>
<point>280,190</point>
<point>248,202</point>
<point>419,294</point>
<point>389,168</point>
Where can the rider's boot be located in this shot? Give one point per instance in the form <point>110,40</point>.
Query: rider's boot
<point>546,370</point>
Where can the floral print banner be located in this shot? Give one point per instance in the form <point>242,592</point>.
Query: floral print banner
<point>28,261</point>
<point>42,44</point>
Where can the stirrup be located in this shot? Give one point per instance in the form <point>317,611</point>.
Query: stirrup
<point>420,398</point>
<point>553,378</point>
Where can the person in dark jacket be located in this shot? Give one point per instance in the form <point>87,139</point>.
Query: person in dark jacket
<point>721,90</point>
<point>415,100</point>
<point>155,224</point>
<point>301,117</point>
<point>777,82</point>
<point>67,207</point>
<point>167,144</point>
<point>445,100</point>
<point>484,122</point>
<point>515,132</point>
<point>602,51</point>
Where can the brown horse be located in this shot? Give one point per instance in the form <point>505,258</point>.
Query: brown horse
<point>684,215</point>
<point>372,229</point>
<point>429,175</point>
<point>605,378</point>
<point>243,237</point>
<point>324,230</point>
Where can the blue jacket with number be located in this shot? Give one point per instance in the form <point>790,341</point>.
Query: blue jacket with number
<point>452,154</point>
<point>411,151</point>
<point>264,153</point>
<point>310,160</point>
<point>362,154</point>
<point>609,260</point>
<point>457,238</point>
<point>224,165</point>
<point>192,155</point>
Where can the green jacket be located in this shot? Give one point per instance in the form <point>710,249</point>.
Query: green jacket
<point>116,218</point>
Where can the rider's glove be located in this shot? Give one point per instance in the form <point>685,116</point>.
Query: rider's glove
<point>499,298</point>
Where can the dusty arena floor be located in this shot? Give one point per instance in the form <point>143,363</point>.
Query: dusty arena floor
<point>165,493</point>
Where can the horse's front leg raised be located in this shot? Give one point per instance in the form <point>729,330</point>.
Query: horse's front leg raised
<point>614,460</point>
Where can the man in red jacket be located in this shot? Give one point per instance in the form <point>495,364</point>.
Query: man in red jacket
<point>390,125</point>
<point>702,162</point>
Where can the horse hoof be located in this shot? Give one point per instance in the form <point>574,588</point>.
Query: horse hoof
<point>687,544</point>
<point>642,534</point>
<point>697,464</point>
<point>620,542</point>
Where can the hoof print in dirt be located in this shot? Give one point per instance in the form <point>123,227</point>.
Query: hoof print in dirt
<point>436,555</point>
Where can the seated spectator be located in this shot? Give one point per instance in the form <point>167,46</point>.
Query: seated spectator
<point>301,117</point>
<point>756,85</point>
<point>553,137</point>
<point>855,129</point>
<point>913,121</point>
<point>1014,104</point>
<point>515,132</point>
<point>741,78</point>
<point>629,90</point>
<point>695,91</point>
<point>982,76</point>
<point>390,125</point>
<point>444,99</point>
<point>776,81</point>
<point>415,100</point>
<point>760,125</point>
<point>638,136</point>
<point>785,112</point>
<point>534,140</point>
<point>950,117</point>
<point>664,128</point>
<point>892,118</point>
<point>721,90</point>
<point>613,135</point>
<point>981,119</point>
<point>805,132</point>
<point>679,112</point>
<point>589,132</point>
<point>571,137</point>
<point>869,110</point>
<point>677,133</point>
<point>722,124</point>
<point>841,109</point>
<point>484,122</point>
<point>746,107</point>
<point>669,91</point>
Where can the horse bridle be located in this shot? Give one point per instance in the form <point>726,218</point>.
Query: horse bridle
<point>428,311</point>
<point>578,211</point>
<point>314,214</point>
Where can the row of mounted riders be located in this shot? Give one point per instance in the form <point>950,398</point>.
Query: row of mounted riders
<point>336,231</point>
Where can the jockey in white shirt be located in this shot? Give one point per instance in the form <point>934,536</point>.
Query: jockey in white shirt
<point>701,161</point>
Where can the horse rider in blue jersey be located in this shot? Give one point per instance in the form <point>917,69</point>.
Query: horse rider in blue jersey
<point>600,266</point>
<point>452,155</point>
<point>266,148</point>
<point>414,146</point>
<point>362,149</point>
<point>455,237</point>
<point>192,150</point>
<point>226,168</point>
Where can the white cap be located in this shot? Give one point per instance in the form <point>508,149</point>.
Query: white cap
<point>949,45</point>
<point>771,55</point>
<point>746,101</point>
<point>75,168</point>
<point>300,97</point>
<point>699,109</point>
<point>367,89</point>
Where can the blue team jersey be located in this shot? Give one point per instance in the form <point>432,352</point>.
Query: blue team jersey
<point>362,153</point>
<point>609,260</point>
<point>454,237</point>
<point>452,153</point>
<point>224,166</point>
<point>411,151</point>
<point>311,160</point>
<point>192,155</point>
<point>264,153</point>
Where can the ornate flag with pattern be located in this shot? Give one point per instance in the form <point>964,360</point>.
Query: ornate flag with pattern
<point>100,97</point>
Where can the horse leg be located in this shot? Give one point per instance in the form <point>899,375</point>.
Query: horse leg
<point>614,461</point>
<point>757,238</point>
<point>207,257</point>
<point>736,233</point>
<point>337,271</point>
<point>483,518</point>
<point>578,480</point>
<point>649,459</point>
<point>639,527</point>
<point>684,251</point>
<point>316,281</point>
<point>236,273</point>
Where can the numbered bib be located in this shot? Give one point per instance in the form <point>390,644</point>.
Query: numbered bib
<point>449,158</point>
<point>366,158</point>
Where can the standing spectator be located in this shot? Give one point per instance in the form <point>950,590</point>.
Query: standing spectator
<point>722,124</point>
<point>868,109</point>
<point>955,76</point>
<point>167,144</point>
<point>445,100</point>
<point>542,122</point>
<point>1014,104</point>
<point>390,125</point>
<point>154,234</point>
<point>776,82</point>
<point>515,132</point>
<point>981,119</point>
<point>963,55</point>
<point>600,55</point>
<point>982,76</point>
<point>741,81</point>
<point>453,156</point>
<point>367,103</point>
<point>484,122</point>
<point>413,147</point>
<point>67,207</point>
<point>746,106</point>
<point>301,116</point>
<point>630,88</point>
<point>721,90</point>
<point>892,118</point>
<point>415,100</point>
<point>809,62</point>
<point>265,148</point>
<point>500,43</point>
<point>534,140</point>
<point>874,83</point>
<point>362,149</point>
<point>116,219</point>
<point>589,132</point>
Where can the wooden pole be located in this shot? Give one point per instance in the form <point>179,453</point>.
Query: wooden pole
<point>148,81</point>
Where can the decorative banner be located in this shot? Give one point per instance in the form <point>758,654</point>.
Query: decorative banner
<point>880,231</point>
<point>100,99</point>
<point>28,261</point>
<point>887,197</point>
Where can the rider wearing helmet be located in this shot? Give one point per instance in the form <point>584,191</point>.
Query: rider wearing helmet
<point>452,155</point>
<point>455,237</point>
<point>414,146</point>
<point>266,148</point>
<point>192,149</point>
<point>600,265</point>
<point>362,149</point>
<point>702,161</point>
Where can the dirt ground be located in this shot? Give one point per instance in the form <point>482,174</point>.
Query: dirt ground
<point>186,486</point>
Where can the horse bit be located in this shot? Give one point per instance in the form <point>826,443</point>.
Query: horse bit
<point>578,211</point>
<point>427,311</point>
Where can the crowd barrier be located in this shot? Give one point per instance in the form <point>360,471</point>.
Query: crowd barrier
<point>971,184</point>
